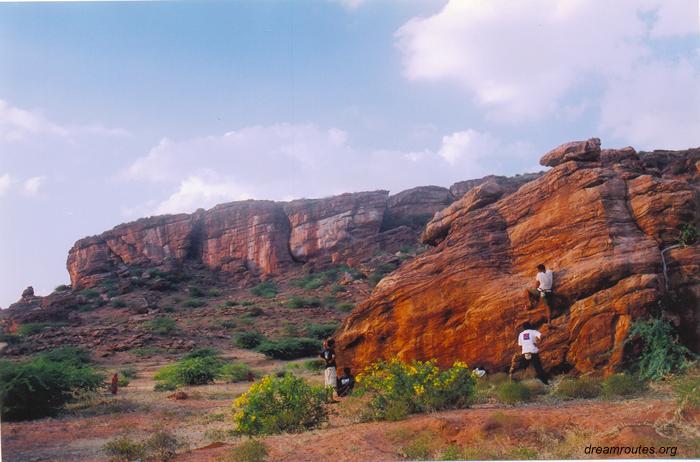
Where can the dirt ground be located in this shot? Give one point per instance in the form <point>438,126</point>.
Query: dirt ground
<point>203,422</point>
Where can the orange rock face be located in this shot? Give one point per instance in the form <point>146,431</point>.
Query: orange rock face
<point>599,219</point>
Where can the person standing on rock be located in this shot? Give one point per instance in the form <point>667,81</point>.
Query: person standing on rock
<point>330,374</point>
<point>543,289</point>
<point>530,353</point>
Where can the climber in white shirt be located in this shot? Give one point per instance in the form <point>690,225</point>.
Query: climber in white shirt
<point>542,290</point>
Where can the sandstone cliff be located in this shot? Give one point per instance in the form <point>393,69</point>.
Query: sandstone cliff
<point>598,218</point>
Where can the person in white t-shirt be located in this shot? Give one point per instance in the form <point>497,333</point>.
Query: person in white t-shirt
<point>543,289</point>
<point>528,340</point>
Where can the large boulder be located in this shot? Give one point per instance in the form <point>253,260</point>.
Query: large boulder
<point>600,226</point>
<point>415,207</point>
<point>588,150</point>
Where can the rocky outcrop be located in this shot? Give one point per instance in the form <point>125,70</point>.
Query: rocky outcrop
<point>325,230</point>
<point>509,184</point>
<point>598,218</point>
<point>415,207</point>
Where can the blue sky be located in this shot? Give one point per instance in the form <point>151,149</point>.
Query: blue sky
<point>113,111</point>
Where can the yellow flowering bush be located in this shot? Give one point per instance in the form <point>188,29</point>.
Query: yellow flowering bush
<point>274,405</point>
<point>417,386</point>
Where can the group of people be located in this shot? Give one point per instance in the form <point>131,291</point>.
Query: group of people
<point>342,385</point>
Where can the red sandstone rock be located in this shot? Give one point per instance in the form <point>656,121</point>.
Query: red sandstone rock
<point>588,150</point>
<point>414,207</point>
<point>599,222</point>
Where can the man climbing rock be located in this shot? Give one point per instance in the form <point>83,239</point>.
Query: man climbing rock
<point>543,289</point>
<point>527,340</point>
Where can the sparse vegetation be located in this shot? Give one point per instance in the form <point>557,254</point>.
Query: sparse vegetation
<point>578,387</point>
<point>249,340</point>
<point>321,331</point>
<point>193,303</point>
<point>188,371</point>
<point>422,447</point>
<point>90,293</point>
<point>618,385</point>
<point>162,325</point>
<point>161,446</point>
<point>345,307</point>
<point>280,404</point>
<point>118,303</point>
<point>662,353</point>
<point>235,372</point>
<point>62,288</point>
<point>196,292</point>
<point>289,348</point>
<point>267,289</point>
<point>31,328</point>
<point>688,235</point>
<point>511,392</point>
<point>379,273</point>
<point>419,386</point>
<point>251,450</point>
<point>302,302</point>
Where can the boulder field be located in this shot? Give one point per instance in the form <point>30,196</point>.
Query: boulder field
<point>599,218</point>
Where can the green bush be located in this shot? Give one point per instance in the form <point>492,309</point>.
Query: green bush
<point>314,281</point>
<point>62,288</point>
<point>196,292</point>
<point>43,385</point>
<point>231,303</point>
<point>688,235</point>
<point>380,272</point>
<point>228,324</point>
<point>31,328</point>
<point>512,392</point>
<point>285,404</point>
<point>161,446</point>
<point>289,348</point>
<point>118,303</point>
<point>248,340</point>
<point>581,387</point>
<point>162,325</point>
<point>314,365</point>
<point>235,372</point>
<point>68,354</point>
<point>90,293</point>
<point>130,372</point>
<point>345,307</point>
<point>302,302</point>
<point>421,386</point>
<point>337,288</point>
<point>621,385</point>
<point>267,289</point>
<point>661,353</point>
<point>321,331</point>
<point>251,450</point>
<point>189,371</point>
<point>123,449</point>
<point>213,292</point>
<point>534,386</point>
<point>687,390</point>
<point>193,303</point>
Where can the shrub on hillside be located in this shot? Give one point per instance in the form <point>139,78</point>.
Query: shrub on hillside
<point>661,354</point>
<point>193,303</point>
<point>248,340</point>
<point>302,302</point>
<point>512,392</point>
<point>345,307</point>
<point>251,450</point>
<point>188,371</point>
<point>161,446</point>
<point>235,372</point>
<point>162,325</point>
<point>62,288</point>
<point>579,387</point>
<point>31,328</point>
<point>280,404</point>
<point>316,280</point>
<point>418,386</point>
<point>289,348</point>
<point>321,331</point>
<point>267,289</point>
<point>43,385</point>
<point>621,385</point>
<point>380,272</point>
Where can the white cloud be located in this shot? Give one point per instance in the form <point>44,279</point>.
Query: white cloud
<point>285,161</point>
<point>18,124</point>
<point>526,60</point>
<point>657,106</point>
<point>5,183</point>
<point>198,192</point>
<point>31,186</point>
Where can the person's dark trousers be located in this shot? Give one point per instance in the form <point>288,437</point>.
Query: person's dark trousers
<point>521,361</point>
<point>541,374</point>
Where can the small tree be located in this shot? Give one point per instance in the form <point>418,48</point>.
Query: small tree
<point>662,354</point>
